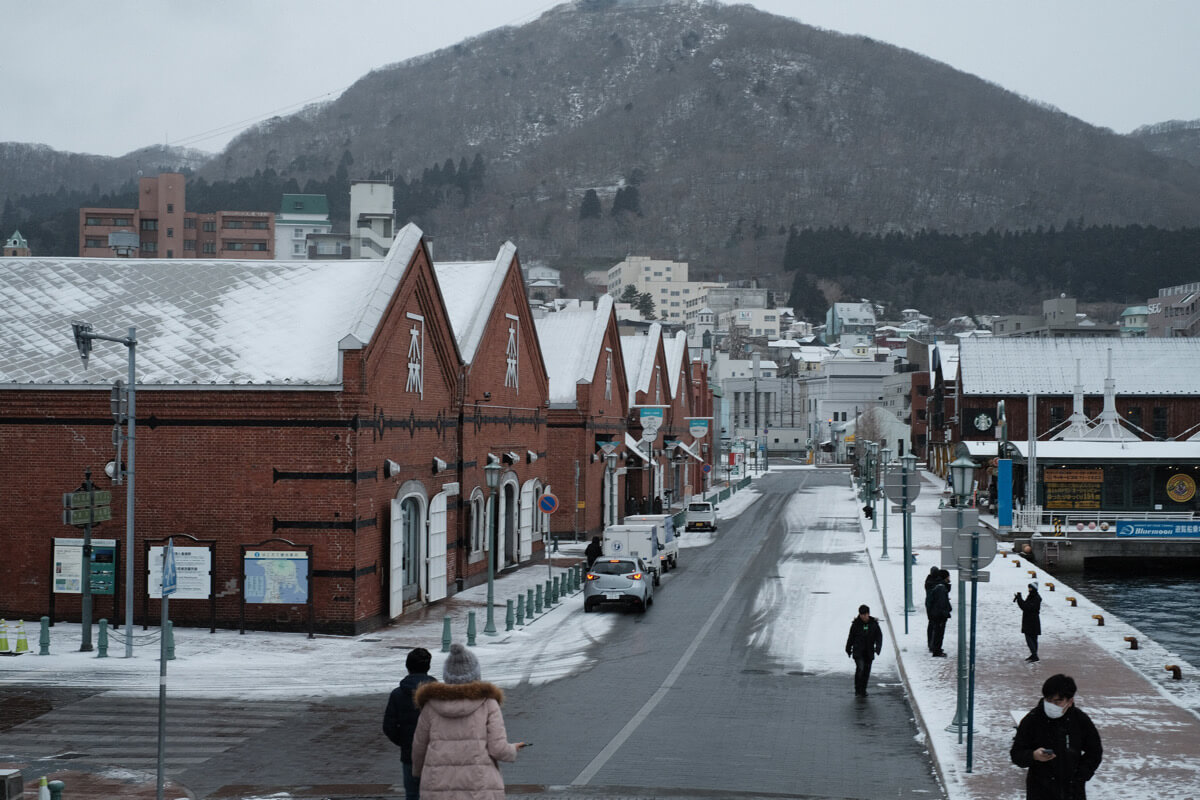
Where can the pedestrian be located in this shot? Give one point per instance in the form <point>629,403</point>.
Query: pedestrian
<point>657,505</point>
<point>400,718</point>
<point>593,551</point>
<point>1058,744</point>
<point>1031,619</point>
<point>863,644</point>
<point>938,610</point>
<point>460,736</point>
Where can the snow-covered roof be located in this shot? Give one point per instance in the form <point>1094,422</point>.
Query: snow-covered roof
<point>470,289</point>
<point>639,353</point>
<point>1018,365</point>
<point>571,341</point>
<point>199,322</point>
<point>783,343</point>
<point>948,358</point>
<point>676,348</point>
<point>1077,450</point>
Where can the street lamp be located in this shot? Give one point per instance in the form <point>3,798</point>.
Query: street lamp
<point>872,465</point>
<point>961,470</point>
<point>887,459</point>
<point>84,336</point>
<point>492,476</point>
<point>611,458</point>
<point>908,465</point>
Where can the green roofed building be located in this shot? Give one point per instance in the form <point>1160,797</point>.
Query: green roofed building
<point>299,216</point>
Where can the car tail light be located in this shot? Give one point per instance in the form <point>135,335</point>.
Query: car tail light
<point>637,576</point>
<point>591,576</point>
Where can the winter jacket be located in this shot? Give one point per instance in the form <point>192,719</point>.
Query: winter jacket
<point>932,579</point>
<point>865,639</point>
<point>460,737</point>
<point>593,551</point>
<point>1077,753</point>
<point>1031,611</point>
<point>937,604</point>
<point>400,718</point>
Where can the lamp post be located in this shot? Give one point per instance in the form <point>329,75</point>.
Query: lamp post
<point>492,475</point>
<point>611,458</point>
<point>909,465</point>
<point>873,465</point>
<point>961,470</point>
<point>84,336</point>
<point>887,458</point>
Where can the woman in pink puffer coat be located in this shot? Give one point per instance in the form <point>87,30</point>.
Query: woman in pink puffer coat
<point>460,735</point>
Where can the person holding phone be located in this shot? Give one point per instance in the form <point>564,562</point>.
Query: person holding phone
<point>1058,744</point>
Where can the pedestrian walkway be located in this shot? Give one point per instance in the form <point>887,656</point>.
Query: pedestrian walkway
<point>1149,723</point>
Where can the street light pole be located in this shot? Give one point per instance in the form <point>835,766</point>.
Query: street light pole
<point>873,452</point>
<point>492,477</point>
<point>961,469</point>
<point>887,457</point>
<point>83,341</point>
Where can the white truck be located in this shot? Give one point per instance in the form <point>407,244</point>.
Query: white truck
<point>639,539</point>
<point>670,543</point>
<point>701,515</point>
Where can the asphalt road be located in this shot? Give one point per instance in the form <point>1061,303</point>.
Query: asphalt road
<point>678,703</point>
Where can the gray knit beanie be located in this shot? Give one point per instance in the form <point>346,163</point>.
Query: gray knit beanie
<point>461,666</point>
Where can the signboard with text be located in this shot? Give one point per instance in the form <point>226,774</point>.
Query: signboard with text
<point>1168,528</point>
<point>68,566</point>
<point>193,573</point>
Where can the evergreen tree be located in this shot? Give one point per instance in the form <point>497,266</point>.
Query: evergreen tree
<point>590,207</point>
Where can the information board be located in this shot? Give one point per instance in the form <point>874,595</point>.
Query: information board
<point>68,566</point>
<point>276,576</point>
<point>1073,496</point>
<point>193,573</point>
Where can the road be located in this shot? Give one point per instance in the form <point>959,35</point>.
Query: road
<point>695,698</point>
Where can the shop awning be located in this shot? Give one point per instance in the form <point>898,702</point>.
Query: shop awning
<point>689,451</point>
<point>636,446</point>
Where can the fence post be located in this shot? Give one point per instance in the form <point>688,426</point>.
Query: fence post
<point>520,609</point>
<point>470,629</point>
<point>508,615</point>
<point>446,634</point>
<point>102,640</point>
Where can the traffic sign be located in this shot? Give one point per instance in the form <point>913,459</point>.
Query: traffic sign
<point>87,516</point>
<point>962,549</point>
<point>548,503</point>
<point>895,481</point>
<point>83,499</point>
<point>707,468</point>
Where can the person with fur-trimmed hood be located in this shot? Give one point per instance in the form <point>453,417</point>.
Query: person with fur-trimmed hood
<point>460,737</point>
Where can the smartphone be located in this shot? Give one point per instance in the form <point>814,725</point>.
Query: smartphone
<point>529,744</point>
<point>1045,750</point>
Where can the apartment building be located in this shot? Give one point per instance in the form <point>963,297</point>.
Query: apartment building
<point>166,229</point>
<point>665,281</point>
<point>372,218</point>
<point>300,215</point>
<point>1174,312</point>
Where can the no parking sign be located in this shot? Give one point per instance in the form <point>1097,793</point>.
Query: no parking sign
<point>548,503</point>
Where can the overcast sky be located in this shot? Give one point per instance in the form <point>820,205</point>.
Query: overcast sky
<point>112,77</point>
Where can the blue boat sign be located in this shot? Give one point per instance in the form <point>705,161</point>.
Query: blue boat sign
<point>1158,528</point>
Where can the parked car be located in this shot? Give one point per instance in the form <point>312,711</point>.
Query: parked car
<point>701,515</point>
<point>618,580</point>
<point>668,552</point>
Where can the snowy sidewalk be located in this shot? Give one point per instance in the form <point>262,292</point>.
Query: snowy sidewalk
<point>1148,722</point>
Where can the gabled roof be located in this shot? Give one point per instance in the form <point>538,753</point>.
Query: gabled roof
<point>639,353</point>
<point>1003,365</point>
<point>470,289</point>
<point>16,240</point>
<point>571,343</point>
<point>211,323</point>
<point>676,350</point>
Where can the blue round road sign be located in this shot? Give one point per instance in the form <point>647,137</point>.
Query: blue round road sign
<point>548,503</point>
<point>707,468</point>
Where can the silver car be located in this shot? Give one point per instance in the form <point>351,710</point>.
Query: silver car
<point>618,580</point>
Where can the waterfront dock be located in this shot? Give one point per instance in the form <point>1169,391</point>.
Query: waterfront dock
<point>1149,721</point>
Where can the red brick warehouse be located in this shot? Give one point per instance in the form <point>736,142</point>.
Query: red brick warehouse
<point>299,401</point>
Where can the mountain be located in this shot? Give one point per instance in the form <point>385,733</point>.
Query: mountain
<point>1174,139</point>
<point>730,123</point>
<point>37,169</point>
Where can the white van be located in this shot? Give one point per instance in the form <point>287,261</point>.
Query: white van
<point>640,540</point>
<point>701,515</point>
<point>669,552</point>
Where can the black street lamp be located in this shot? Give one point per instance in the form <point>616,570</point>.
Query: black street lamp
<point>492,475</point>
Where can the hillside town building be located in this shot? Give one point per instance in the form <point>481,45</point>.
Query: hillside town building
<point>301,216</point>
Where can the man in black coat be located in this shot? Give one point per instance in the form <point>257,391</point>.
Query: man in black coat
<point>400,718</point>
<point>1058,744</point>
<point>863,644</point>
<point>594,550</point>
<point>1031,618</point>
<point>937,611</point>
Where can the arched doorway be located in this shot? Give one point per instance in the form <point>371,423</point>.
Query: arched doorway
<point>405,551</point>
<point>509,539</point>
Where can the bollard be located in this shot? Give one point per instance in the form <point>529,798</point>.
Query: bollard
<point>538,598</point>
<point>1132,642</point>
<point>170,634</point>
<point>44,639</point>
<point>1099,620</point>
<point>102,640</point>
<point>56,789</point>
<point>1176,672</point>
<point>470,629</point>
<point>1016,562</point>
<point>554,589</point>
<point>446,634</point>
<point>529,602</point>
<point>1050,586</point>
<point>578,577</point>
<point>549,599</point>
<point>520,609</point>
<point>1033,573</point>
<point>1071,600</point>
<point>508,614</point>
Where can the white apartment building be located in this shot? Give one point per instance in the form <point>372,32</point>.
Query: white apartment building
<point>299,215</point>
<point>665,281</point>
<point>753,321</point>
<point>372,218</point>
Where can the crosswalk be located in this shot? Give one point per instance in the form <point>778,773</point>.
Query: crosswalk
<point>120,730</point>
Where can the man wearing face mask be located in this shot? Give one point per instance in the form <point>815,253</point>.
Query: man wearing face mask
<point>1058,744</point>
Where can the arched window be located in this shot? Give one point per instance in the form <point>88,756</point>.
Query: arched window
<point>477,523</point>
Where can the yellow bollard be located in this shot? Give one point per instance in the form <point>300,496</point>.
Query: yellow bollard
<point>1099,620</point>
<point>1050,585</point>
<point>1033,573</point>
<point>1071,600</point>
